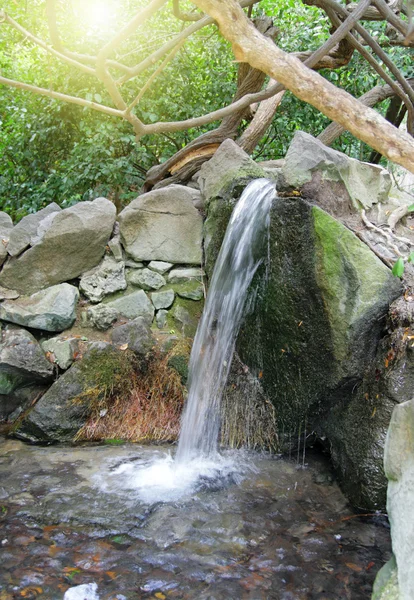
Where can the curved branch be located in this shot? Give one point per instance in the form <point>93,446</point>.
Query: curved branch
<point>58,96</point>
<point>155,56</point>
<point>184,16</point>
<point>365,123</point>
<point>5,18</point>
<point>371,98</point>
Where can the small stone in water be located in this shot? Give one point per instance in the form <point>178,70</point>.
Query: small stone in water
<point>87,591</point>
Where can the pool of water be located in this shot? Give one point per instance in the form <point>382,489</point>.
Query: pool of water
<point>255,527</point>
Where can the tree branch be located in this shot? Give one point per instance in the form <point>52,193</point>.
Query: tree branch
<point>155,56</point>
<point>64,97</point>
<point>184,16</point>
<point>365,123</point>
<point>371,98</point>
<point>5,18</point>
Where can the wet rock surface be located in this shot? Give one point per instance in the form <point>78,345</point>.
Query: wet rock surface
<point>68,518</point>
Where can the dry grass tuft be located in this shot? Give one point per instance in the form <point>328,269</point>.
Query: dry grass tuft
<point>148,410</point>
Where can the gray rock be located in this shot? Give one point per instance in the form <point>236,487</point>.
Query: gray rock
<point>6,222</point>
<point>6,226</point>
<point>146,279</point>
<point>22,360</point>
<point>136,334</point>
<point>229,163</point>
<point>163,299</point>
<point>399,468</point>
<point>161,318</point>
<point>102,316</point>
<point>160,266</point>
<point>184,275</point>
<point>53,309</point>
<point>73,243</point>
<point>116,248</point>
<point>193,290</point>
<point>6,294</point>
<point>63,350</point>
<point>386,582</point>
<point>307,157</point>
<point>132,264</point>
<point>13,404</point>
<point>24,233</point>
<point>131,306</point>
<point>163,225</point>
<point>108,277</point>
<point>3,251</point>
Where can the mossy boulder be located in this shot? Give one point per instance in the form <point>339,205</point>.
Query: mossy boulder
<point>66,406</point>
<point>313,333</point>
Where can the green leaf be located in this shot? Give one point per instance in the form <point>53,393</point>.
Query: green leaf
<point>411,208</point>
<point>411,258</point>
<point>98,98</point>
<point>398,268</point>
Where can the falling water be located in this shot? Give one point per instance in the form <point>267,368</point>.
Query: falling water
<point>241,253</point>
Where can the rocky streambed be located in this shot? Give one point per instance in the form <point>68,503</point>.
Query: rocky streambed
<point>274,530</point>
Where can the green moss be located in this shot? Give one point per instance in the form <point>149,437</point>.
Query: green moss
<point>351,278</point>
<point>180,364</point>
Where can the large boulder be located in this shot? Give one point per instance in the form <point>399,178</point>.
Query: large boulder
<point>163,225</point>
<point>315,330</point>
<point>53,309</point>
<point>345,184</point>
<point>399,468</point>
<point>67,244</point>
<point>26,231</point>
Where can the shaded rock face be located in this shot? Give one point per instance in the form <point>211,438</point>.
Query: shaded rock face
<point>24,369</point>
<point>71,242</point>
<point>163,225</point>
<point>53,309</point>
<point>399,468</point>
<point>6,226</point>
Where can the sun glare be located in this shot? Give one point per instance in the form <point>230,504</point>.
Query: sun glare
<point>98,14</point>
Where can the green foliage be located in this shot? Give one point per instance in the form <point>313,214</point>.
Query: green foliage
<point>398,268</point>
<point>53,151</point>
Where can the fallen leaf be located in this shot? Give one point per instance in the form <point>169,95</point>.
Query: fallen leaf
<point>354,567</point>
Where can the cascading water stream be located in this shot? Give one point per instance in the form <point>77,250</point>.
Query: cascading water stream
<point>197,462</point>
<point>241,253</point>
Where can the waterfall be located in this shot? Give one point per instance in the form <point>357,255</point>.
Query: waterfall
<point>242,251</point>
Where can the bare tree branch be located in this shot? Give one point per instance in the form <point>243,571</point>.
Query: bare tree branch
<point>151,79</point>
<point>64,97</point>
<point>153,58</point>
<point>370,98</point>
<point>5,18</point>
<point>184,16</point>
<point>365,123</point>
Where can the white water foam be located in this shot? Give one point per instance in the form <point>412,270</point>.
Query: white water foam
<point>159,478</point>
